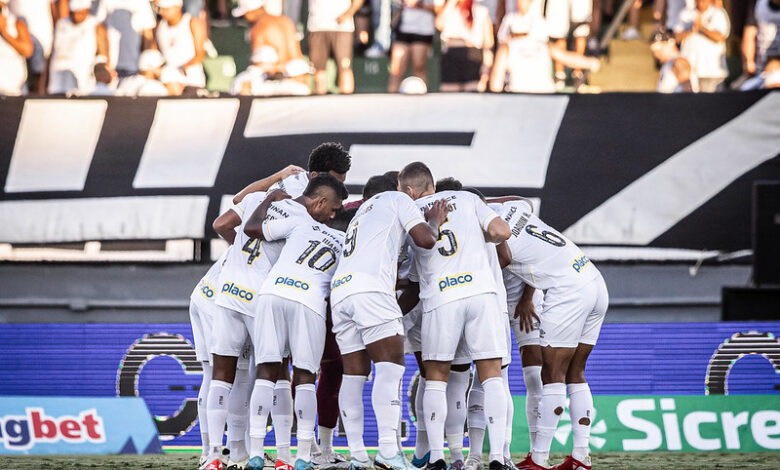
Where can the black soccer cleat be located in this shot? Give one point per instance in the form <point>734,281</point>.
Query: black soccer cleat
<point>496,465</point>
<point>437,465</point>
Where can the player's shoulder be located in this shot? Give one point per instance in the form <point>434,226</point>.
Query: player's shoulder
<point>287,208</point>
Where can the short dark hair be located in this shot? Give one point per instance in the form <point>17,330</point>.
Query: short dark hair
<point>325,180</point>
<point>378,184</point>
<point>417,175</point>
<point>477,192</point>
<point>342,219</point>
<point>329,156</point>
<point>393,175</point>
<point>448,184</point>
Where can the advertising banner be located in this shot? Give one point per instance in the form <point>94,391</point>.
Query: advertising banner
<point>746,423</point>
<point>70,425</point>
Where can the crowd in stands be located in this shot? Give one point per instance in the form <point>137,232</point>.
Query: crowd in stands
<point>157,48</point>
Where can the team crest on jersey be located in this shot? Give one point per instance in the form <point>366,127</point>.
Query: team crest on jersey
<point>290,282</point>
<point>454,281</point>
<point>241,293</point>
<point>340,281</point>
<point>580,263</point>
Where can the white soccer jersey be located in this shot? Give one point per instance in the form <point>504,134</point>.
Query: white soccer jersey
<point>248,263</point>
<point>294,185</point>
<point>375,237</point>
<point>542,257</point>
<point>206,290</point>
<point>458,265</point>
<point>307,262</point>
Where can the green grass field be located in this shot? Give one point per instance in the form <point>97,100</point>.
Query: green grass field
<point>605,461</point>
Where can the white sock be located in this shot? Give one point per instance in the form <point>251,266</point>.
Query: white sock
<point>351,406</point>
<point>553,399</point>
<point>217,410</point>
<point>421,445</point>
<point>203,394</point>
<point>260,405</point>
<point>510,414</point>
<point>238,415</point>
<point>325,438</point>
<point>282,418</point>
<point>386,401</point>
<point>580,408</point>
<point>476,418</point>
<point>495,414</point>
<point>306,411</point>
<point>435,406</point>
<point>532,376</point>
<point>457,385</point>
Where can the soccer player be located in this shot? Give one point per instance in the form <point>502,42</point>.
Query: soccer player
<point>292,305</point>
<point>328,157</point>
<point>245,266</point>
<point>459,295</point>
<point>575,302</point>
<point>367,318</point>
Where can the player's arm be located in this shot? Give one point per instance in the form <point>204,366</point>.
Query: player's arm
<point>497,231</point>
<point>503,199</point>
<point>525,309</point>
<point>504,255</point>
<point>426,234</point>
<point>254,226</point>
<point>410,297</point>
<point>225,225</point>
<point>265,183</point>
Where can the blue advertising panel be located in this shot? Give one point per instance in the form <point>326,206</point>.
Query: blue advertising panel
<point>157,363</point>
<point>67,425</point>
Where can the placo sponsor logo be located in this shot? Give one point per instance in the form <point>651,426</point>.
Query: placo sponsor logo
<point>239,292</point>
<point>290,282</point>
<point>454,281</point>
<point>206,290</point>
<point>340,281</point>
<point>580,263</point>
<point>23,432</point>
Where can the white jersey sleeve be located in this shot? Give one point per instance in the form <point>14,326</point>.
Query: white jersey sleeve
<point>294,185</point>
<point>457,267</point>
<point>374,240</point>
<point>306,263</point>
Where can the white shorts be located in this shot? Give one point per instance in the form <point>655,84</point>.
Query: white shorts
<point>287,328</point>
<point>523,338</point>
<point>413,330</point>
<point>365,318</point>
<point>478,321</point>
<point>570,317</point>
<point>561,15</point>
<point>230,335</point>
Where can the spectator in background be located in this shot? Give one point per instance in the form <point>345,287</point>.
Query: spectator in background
<point>412,41</point>
<point>278,66</point>
<point>768,78</point>
<point>766,22</point>
<point>78,40</point>
<point>181,39</point>
<point>565,17</point>
<point>525,53</point>
<point>331,26</point>
<point>174,80</point>
<point>105,79</point>
<point>130,29</point>
<point>380,20</point>
<point>147,81</point>
<point>674,73</point>
<point>704,43</point>
<point>16,45</point>
<point>467,46</point>
<point>38,16</point>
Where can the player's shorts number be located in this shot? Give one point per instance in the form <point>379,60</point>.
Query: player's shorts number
<point>452,242</point>
<point>318,256</point>
<point>547,236</point>
<point>349,241</point>
<point>252,248</point>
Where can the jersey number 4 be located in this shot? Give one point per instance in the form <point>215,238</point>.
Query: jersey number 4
<point>252,248</point>
<point>318,256</point>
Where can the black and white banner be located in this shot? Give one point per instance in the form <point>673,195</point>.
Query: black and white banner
<point>614,169</point>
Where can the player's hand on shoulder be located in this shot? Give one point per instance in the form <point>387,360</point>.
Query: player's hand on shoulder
<point>437,213</point>
<point>290,170</point>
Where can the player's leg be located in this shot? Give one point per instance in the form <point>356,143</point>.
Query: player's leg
<point>202,354</point>
<point>531,357</point>
<point>282,415</point>
<point>510,415</point>
<point>238,413</point>
<point>477,424</point>
<point>422,448</point>
<point>399,57</point>
<point>457,386</point>
<point>203,394</point>
<point>328,386</point>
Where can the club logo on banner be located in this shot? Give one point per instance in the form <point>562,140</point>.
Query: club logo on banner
<point>66,425</point>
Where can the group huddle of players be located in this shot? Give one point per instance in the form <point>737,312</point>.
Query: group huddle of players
<point>415,267</point>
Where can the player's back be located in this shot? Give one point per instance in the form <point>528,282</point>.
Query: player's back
<point>542,256</point>
<point>307,261</point>
<point>374,238</point>
<point>458,265</point>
